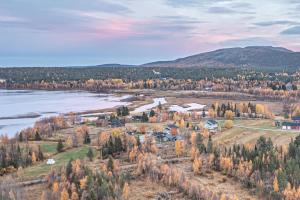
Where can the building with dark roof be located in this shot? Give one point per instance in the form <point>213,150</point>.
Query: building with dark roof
<point>290,126</point>
<point>296,119</point>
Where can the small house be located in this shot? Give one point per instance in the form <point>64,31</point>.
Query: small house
<point>117,123</point>
<point>296,119</point>
<point>289,86</point>
<point>290,126</point>
<point>172,129</point>
<point>137,118</point>
<point>211,124</point>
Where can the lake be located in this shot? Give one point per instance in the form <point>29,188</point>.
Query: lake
<point>19,109</point>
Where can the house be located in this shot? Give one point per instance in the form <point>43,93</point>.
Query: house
<point>290,126</point>
<point>161,136</point>
<point>117,123</point>
<point>172,129</point>
<point>137,118</point>
<point>289,86</point>
<point>211,124</point>
<point>296,119</point>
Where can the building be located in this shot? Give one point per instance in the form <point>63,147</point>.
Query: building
<point>296,119</point>
<point>211,124</point>
<point>172,129</point>
<point>289,86</point>
<point>115,123</point>
<point>290,126</point>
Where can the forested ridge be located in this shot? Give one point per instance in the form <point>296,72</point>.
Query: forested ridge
<point>31,74</point>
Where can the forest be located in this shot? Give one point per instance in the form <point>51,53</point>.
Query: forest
<point>49,74</point>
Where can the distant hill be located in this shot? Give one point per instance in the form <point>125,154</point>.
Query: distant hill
<point>105,65</point>
<point>253,56</point>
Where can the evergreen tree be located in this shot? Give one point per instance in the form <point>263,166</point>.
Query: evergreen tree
<point>199,142</point>
<point>110,146</point>
<point>87,139</point>
<point>60,146</point>
<point>37,136</point>
<point>209,145</point>
<point>110,164</point>
<point>40,154</point>
<point>152,113</point>
<point>69,168</point>
<point>145,117</point>
<point>90,154</point>
<point>138,141</point>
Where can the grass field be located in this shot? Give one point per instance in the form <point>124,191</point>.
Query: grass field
<point>60,160</point>
<point>49,147</point>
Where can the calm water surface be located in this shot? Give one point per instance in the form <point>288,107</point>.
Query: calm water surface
<point>19,109</point>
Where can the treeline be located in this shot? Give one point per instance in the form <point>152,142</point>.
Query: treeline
<point>45,128</point>
<point>231,110</point>
<point>12,156</point>
<point>49,74</point>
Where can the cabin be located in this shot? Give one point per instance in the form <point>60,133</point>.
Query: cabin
<point>289,86</point>
<point>296,119</point>
<point>162,136</point>
<point>290,126</point>
<point>211,124</point>
<point>117,123</point>
<point>137,118</point>
<point>172,129</point>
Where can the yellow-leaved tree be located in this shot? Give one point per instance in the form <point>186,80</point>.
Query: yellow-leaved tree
<point>178,147</point>
<point>126,189</point>
<point>275,184</point>
<point>64,195</point>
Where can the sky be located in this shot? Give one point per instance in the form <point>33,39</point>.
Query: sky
<point>91,32</point>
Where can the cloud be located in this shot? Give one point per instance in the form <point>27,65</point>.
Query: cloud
<point>221,10</point>
<point>292,31</point>
<point>189,3</point>
<point>6,18</point>
<point>225,10</point>
<point>179,3</point>
<point>278,22</point>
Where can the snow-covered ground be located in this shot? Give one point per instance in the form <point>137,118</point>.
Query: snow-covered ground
<point>149,106</point>
<point>189,107</point>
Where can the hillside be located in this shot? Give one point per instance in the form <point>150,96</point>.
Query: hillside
<point>254,56</point>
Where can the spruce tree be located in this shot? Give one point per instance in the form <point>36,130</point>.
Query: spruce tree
<point>209,145</point>
<point>90,154</point>
<point>60,146</point>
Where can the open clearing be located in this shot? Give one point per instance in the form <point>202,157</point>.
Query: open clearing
<point>217,182</point>
<point>248,131</point>
<point>60,160</point>
<point>143,188</point>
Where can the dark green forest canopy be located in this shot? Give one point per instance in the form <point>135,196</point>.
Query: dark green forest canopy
<point>31,74</point>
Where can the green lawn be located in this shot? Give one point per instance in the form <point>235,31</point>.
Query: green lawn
<point>60,160</point>
<point>49,148</point>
